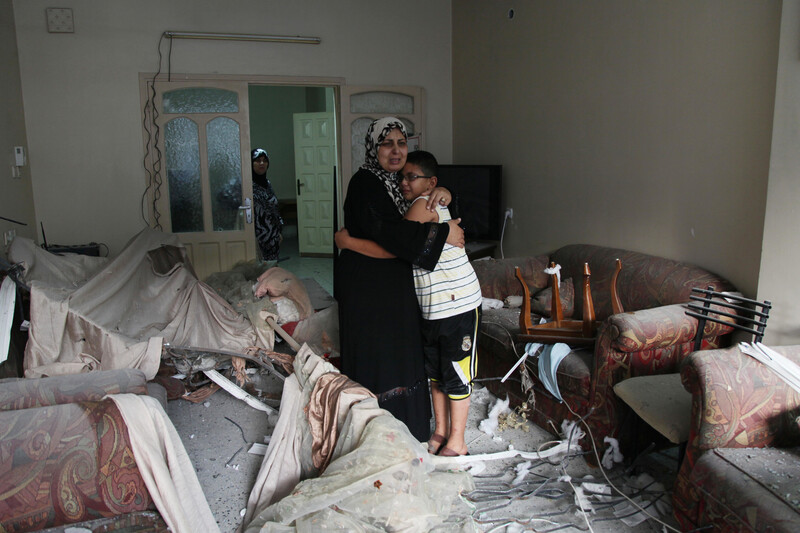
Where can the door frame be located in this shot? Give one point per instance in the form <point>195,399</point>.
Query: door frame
<point>146,79</point>
<point>156,188</point>
<point>342,91</point>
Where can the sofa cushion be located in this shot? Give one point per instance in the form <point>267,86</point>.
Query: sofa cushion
<point>748,489</point>
<point>661,401</point>
<point>67,463</point>
<point>497,279</point>
<point>651,329</point>
<point>542,301</point>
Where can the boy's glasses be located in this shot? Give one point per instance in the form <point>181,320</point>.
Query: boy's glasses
<point>410,177</point>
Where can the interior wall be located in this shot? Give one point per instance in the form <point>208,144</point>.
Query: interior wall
<point>81,92</point>
<point>639,125</point>
<point>16,200</point>
<point>780,255</point>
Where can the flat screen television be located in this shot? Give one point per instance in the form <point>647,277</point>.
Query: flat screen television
<point>476,198</point>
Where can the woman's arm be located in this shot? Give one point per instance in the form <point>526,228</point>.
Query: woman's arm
<point>363,246</point>
<point>418,212</point>
<point>371,214</point>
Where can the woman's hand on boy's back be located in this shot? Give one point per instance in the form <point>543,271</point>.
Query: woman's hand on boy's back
<point>439,196</point>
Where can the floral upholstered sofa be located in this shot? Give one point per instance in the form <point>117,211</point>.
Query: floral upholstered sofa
<point>740,471</point>
<point>652,336</point>
<point>66,457</point>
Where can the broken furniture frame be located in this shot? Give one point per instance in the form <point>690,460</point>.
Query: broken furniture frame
<point>560,330</point>
<point>749,315</point>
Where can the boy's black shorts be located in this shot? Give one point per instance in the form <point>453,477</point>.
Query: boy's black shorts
<point>451,352</point>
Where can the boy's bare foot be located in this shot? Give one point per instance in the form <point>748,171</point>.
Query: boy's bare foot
<point>436,443</point>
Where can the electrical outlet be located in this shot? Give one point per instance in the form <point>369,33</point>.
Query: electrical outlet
<point>509,212</point>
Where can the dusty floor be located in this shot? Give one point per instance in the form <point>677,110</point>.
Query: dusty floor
<point>218,433</point>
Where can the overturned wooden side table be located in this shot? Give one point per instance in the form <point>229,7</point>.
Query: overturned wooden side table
<point>573,332</point>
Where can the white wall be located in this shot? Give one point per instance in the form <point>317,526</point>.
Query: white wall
<point>81,92</point>
<point>16,194</point>
<point>780,257</point>
<point>639,125</point>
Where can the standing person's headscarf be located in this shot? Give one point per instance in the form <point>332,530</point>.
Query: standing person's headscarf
<point>260,179</point>
<point>376,133</point>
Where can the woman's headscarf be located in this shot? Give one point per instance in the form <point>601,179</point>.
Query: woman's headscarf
<point>259,179</point>
<point>258,152</point>
<point>376,133</point>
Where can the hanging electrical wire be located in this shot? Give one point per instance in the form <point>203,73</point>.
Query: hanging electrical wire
<point>152,131</point>
<point>503,233</point>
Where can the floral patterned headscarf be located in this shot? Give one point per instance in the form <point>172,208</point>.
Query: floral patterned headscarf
<point>376,133</point>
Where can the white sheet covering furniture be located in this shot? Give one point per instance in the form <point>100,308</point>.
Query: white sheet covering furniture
<point>379,477</point>
<point>92,314</point>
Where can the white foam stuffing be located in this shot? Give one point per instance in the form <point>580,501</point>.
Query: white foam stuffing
<point>489,425</point>
<point>612,454</point>
<point>522,470</point>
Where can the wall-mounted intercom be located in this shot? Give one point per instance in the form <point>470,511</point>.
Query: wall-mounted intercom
<point>19,156</point>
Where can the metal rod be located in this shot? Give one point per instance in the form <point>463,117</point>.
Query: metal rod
<point>297,39</point>
<point>724,323</point>
<point>731,296</point>
<point>727,305</point>
<point>14,221</point>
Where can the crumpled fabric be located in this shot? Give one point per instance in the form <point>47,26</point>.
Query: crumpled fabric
<point>164,465</point>
<point>549,359</point>
<point>378,480</point>
<point>278,283</point>
<point>491,303</point>
<point>554,270</point>
<point>379,477</point>
<point>330,400</point>
<point>121,313</point>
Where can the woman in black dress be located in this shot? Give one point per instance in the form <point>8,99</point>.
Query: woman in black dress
<point>379,317</point>
<point>268,219</point>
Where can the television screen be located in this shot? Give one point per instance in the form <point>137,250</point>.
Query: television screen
<point>476,198</point>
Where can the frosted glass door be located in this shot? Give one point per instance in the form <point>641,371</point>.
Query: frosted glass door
<point>206,146</point>
<point>225,174</point>
<point>182,154</point>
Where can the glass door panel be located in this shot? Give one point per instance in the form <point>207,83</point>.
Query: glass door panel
<point>182,154</point>
<point>384,102</point>
<point>200,141</point>
<point>225,174</point>
<point>200,100</point>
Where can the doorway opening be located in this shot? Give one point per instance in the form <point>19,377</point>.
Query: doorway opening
<point>295,124</point>
<point>313,129</point>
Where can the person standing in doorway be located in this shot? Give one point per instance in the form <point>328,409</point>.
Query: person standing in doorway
<point>268,218</point>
